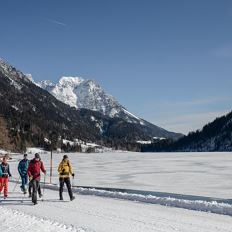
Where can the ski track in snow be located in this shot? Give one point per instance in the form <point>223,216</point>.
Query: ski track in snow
<point>213,206</point>
<point>15,221</point>
<point>93,213</point>
<point>199,205</point>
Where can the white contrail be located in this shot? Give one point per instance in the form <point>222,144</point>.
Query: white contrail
<point>57,22</point>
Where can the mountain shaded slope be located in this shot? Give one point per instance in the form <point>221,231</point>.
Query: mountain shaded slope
<point>215,136</point>
<point>87,94</point>
<point>31,114</point>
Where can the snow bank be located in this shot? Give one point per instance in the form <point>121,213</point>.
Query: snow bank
<point>33,150</point>
<point>3,151</point>
<point>16,221</point>
<point>214,206</point>
<point>199,205</point>
<point>144,142</point>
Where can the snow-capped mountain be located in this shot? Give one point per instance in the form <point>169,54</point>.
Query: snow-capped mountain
<point>87,94</point>
<point>29,114</point>
<point>80,93</point>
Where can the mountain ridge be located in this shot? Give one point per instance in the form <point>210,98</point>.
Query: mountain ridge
<point>214,136</point>
<point>80,93</point>
<point>31,114</point>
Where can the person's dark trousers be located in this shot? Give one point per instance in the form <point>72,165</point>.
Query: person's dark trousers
<point>35,186</point>
<point>68,184</point>
<point>24,181</point>
<point>30,188</point>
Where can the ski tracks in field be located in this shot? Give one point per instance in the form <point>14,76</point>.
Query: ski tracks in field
<point>119,218</point>
<point>120,215</point>
<point>93,213</point>
<point>17,221</point>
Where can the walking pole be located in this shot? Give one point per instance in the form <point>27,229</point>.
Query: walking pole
<point>72,181</point>
<point>73,184</point>
<point>44,186</point>
<point>23,197</point>
<point>16,185</point>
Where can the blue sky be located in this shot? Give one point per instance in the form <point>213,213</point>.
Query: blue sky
<point>169,62</point>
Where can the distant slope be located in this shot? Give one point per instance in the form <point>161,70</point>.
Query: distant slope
<point>215,136</point>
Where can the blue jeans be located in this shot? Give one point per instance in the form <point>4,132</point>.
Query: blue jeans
<point>24,181</point>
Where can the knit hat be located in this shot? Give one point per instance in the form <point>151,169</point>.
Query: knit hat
<point>37,156</point>
<point>65,157</point>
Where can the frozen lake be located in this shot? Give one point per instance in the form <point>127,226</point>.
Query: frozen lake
<point>205,174</point>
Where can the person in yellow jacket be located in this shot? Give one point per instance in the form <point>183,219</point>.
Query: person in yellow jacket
<point>65,170</point>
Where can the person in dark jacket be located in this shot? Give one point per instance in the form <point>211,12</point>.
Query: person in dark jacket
<point>4,179</point>
<point>22,169</point>
<point>33,171</point>
<point>65,170</point>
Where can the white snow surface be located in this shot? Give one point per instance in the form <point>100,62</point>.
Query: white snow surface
<point>127,112</point>
<point>2,151</point>
<point>204,174</point>
<point>92,213</point>
<point>15,221</point>
<point>144,142</point>
<point>80,93</point>
<point>201,174</point>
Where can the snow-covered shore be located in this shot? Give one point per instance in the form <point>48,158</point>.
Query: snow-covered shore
<point>206,176</point>
<point>100,214</point>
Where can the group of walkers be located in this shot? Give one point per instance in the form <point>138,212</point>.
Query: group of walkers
<point>30,174</point>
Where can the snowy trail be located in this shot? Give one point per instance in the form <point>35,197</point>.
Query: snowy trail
<point>92,213</point>
<point>15,221</point>
<point>98,210</point>
<point>191,202</point>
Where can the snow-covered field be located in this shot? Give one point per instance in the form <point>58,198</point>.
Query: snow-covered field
<point>199,174</point>
<point>205,174</point>
<point>91,213</point>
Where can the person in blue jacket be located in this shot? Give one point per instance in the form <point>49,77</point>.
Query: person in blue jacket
<point>22,169</point>
<point>0,172</point>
